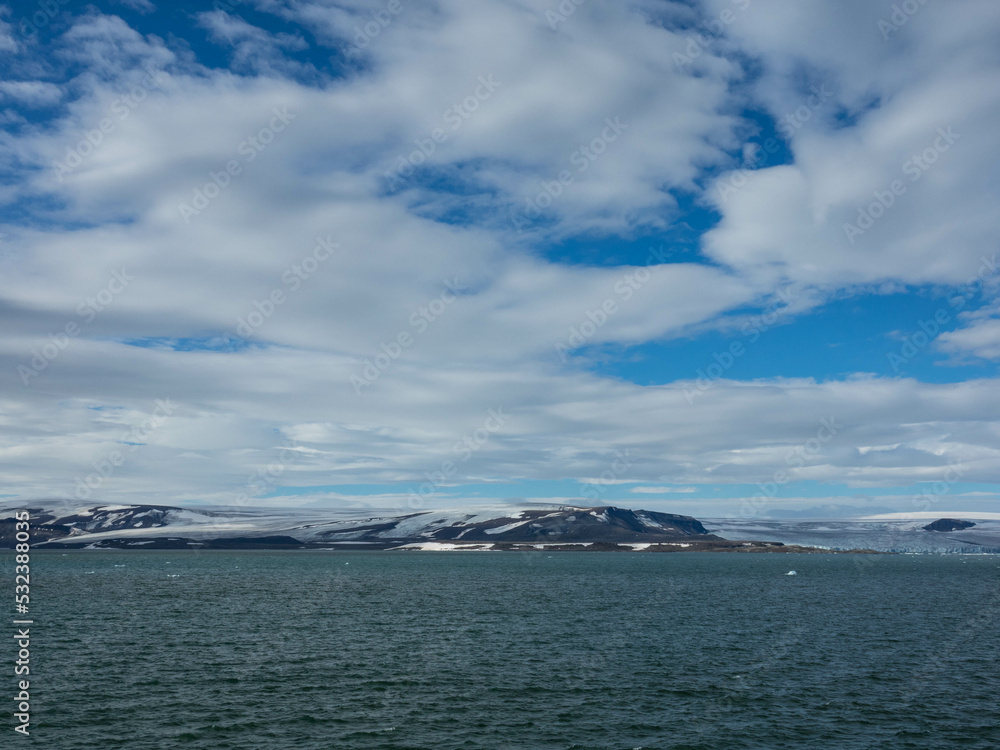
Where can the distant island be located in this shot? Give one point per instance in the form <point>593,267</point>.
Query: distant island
<point>554,528</point>
<point>948,524</point>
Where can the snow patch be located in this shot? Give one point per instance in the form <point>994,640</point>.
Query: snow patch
<point>445,547</point>
<point>503,529</point>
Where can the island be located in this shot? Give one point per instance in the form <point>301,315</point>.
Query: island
<point>551,528</point>
<point>948,524</point>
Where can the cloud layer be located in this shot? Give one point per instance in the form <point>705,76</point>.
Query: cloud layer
<point>328,252</point>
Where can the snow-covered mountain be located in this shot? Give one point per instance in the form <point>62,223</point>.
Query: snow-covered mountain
<point>57,524</point>
<point>891,532</point>
<point>60,524</point>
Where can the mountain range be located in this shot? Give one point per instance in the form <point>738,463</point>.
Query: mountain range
<point>62,524</point>
<point>57,525</point>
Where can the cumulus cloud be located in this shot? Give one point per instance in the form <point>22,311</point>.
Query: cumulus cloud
<point>337,271</point>
<point>978,337</point>
<point>254,49</point>
<point>913,111</point>
<point>31,93</point>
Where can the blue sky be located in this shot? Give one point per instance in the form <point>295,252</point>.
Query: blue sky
<point>643,253</point>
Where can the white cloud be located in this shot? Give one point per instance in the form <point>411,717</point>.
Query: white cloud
<point>898,96</point>
<point>142,6</point>
<point>979,337</point>
<point>493,344</point>
<point>31,93</point>
<point>7,41</point>
<point>663,490</point>
<point>254,49</point>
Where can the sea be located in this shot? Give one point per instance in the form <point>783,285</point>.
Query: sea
<point>467,650</point>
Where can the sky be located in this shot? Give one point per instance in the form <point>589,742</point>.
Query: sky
<point>722,258</point>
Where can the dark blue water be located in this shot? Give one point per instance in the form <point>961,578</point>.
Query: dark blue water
<point>494,650</point>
